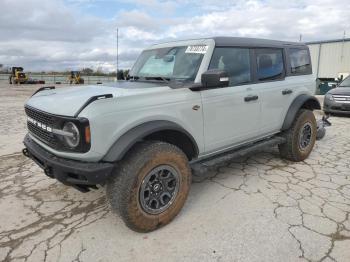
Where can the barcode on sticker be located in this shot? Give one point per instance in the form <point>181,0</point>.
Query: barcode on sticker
<point>197,49</point>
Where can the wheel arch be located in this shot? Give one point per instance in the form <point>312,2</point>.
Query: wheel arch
<point>301,101</point>
<point>159,130</point>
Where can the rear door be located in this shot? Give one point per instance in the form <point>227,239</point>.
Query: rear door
<point>270,78</point>
<point>282,74</point>
<point>231,114</point>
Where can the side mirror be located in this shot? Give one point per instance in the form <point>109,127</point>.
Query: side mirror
<point>168,58</point>
<point>215,78</point>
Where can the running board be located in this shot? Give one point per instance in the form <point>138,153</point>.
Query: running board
<point>203,166</point>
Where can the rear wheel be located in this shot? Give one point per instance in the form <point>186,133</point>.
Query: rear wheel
<point>300,138</point>
<point>150,186</point>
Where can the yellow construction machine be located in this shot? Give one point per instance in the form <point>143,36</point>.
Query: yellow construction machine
<point>18,76</point>
<point>75,78</point>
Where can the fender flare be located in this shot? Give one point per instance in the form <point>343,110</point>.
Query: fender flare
<point>122,145</point>
<point>311,102</point>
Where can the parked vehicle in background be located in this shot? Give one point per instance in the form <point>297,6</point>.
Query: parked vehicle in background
<point>75,78</point>
<point>337,100</point>
<point>17,76</point>
<point>186,104</point>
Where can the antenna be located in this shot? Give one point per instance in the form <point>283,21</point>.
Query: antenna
<point>117,50</point>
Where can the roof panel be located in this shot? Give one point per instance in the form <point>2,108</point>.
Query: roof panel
<point>256,42</point>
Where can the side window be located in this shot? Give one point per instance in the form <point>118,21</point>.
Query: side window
<point>299,61</point>
<point>235,61</point>
<point>270,64</point>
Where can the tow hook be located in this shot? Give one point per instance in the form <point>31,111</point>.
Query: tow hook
<point>321,127</point>
<point>25,152</point>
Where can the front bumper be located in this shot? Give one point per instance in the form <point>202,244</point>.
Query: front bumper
<point>80,175</point>
<point>335,107</point>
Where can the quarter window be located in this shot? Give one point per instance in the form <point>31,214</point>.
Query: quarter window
<point>299,61</point>
<point>269,64</point>
<point>235,61</point>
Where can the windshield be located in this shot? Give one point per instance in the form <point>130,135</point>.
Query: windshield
<point>346,82</point>
<point>174,63</point>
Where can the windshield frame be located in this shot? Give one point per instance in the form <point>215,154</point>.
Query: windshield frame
<point>203,65</point>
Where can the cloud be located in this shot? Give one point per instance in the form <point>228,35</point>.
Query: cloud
<point>59,35</point>
<point>47,21</point>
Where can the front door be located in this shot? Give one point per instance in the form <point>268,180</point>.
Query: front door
<point>231,114</point>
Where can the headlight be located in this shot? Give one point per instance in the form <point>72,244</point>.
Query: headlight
<point>329,97</point>
<point>73,139</point>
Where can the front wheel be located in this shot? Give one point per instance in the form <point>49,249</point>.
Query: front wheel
<point>300,138</point>
<point>150,186</point>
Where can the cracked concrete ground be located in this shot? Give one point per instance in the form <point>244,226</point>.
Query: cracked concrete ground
<point>258,208</point>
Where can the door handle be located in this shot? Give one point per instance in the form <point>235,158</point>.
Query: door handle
<point>287,91</point>
<point>251,98</point>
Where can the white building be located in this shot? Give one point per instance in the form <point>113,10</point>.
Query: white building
<point>330,59</point>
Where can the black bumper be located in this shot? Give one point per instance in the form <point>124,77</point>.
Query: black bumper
<point>81,175</point>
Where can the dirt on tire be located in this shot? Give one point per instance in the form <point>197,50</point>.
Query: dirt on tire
<point>123,188</point>
<point>291,149</point>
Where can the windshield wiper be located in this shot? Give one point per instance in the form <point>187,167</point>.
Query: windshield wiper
<point>134,78</point>
<point>159,78</point>
<point>164,79</point>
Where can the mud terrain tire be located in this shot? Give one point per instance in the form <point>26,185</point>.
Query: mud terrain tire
<point>300,137</point>
<point>140,176</point>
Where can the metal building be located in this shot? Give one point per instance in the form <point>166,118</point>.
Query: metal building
<point>330,59</point>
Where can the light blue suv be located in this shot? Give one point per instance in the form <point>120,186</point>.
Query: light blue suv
<point>186,104</point>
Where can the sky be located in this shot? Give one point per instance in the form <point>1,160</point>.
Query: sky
<point>55,35</point>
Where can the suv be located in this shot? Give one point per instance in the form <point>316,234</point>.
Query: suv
<point>186,105</point>
<point>337,100</point>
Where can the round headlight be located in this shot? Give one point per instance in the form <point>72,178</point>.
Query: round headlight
<point>73,139</point>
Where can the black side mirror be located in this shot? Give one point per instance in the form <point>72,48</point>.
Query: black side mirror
<point>215,78</point>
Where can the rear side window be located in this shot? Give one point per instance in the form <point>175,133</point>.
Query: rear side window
<point>235,61</point>
<point>270,64</point>
<point>299,61</point>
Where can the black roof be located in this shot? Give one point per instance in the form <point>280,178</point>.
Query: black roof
<point>253,42</point>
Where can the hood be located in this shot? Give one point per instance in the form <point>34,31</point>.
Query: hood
<point>340,91</point>
<point>67,101</point>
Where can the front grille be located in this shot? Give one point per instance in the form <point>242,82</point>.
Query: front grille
<point>40,122</point>
<point>47,137</point>
<point>40,116</point>
<point>345,99</point>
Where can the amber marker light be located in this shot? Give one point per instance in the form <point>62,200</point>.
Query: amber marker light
<point>87,135</point>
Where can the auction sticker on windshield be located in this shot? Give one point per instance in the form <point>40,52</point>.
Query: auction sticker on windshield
<point>197,49</point>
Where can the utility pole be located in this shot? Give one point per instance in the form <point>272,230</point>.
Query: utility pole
<point>117,50</point>
<point>342,46</point>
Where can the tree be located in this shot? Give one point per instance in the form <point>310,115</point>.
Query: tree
<point>87,71</point>
<point>126,74</point>
<point>120,75</point>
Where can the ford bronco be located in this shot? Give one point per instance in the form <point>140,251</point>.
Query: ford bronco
<point>186,105</point>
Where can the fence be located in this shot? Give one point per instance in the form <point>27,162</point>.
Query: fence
<point>63,79</point>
